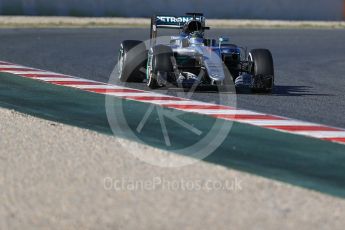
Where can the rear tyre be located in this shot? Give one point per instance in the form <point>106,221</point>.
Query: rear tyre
<point>131,61</point>
<point>263,70</point>
<point>160,67</point>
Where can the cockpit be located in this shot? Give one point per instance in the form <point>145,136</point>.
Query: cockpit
<point>195,41</point>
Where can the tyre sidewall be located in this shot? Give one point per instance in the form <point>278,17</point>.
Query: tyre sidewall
<point>133,55</point>
<point>263,65</point>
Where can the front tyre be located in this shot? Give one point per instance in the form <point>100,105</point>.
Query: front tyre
<point>131,61</point>
<point>160,66</point>
<point>263,70</point>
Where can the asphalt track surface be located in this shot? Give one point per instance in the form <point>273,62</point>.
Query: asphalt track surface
<point>310,74</point>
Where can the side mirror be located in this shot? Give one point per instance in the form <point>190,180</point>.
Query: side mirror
<point>222,40</point>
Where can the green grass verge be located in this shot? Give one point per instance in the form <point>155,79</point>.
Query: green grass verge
<point>298,160</point>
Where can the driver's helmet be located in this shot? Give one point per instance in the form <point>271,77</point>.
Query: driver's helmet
<point>193,28</point>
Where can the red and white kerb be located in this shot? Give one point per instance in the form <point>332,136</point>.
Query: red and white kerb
<point>218,111</point>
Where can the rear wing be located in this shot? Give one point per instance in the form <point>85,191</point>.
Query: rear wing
<point>175,22</point>
<point>172,22</point>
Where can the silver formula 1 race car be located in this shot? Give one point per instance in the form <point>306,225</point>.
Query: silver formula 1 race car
<point>191,59</point>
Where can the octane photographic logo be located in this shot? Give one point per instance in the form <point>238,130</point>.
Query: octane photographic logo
<point>151,123</point>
